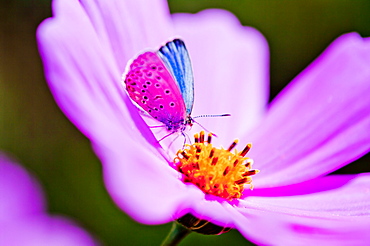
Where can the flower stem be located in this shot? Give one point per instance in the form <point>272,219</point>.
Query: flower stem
<point>177,233</point>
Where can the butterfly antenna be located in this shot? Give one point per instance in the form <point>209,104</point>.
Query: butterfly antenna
<point>211,115</point>
<point>207,116</point>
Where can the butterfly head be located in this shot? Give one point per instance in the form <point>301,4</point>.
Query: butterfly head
<point>189,121</point>
<point>180,125</point>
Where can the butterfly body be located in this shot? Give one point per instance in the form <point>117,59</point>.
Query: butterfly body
<point>161,84</point>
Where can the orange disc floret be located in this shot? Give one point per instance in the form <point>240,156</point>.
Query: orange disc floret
<point>218,172</point>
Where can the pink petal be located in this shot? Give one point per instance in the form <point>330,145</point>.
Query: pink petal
<point>128,27</point>
<point>231,70</point>
<point>320,122</point>
<point>334,195</point>
<point>20,194</point>
<point>43,231</point>
<point>22,213</point>
<point>334,211</point>
<point>319,210</point>
<point>270,228</point>
<point>84,77</point>
<point>144,187</point>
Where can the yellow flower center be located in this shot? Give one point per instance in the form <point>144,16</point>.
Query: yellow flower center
<point>215,171</point>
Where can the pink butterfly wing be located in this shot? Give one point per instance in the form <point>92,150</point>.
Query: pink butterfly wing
<point>151,86</point>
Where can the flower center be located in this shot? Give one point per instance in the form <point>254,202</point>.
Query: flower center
<point>215,171</point>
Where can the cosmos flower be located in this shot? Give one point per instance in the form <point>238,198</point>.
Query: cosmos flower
<point>316,125</point>
<point>23,220</point>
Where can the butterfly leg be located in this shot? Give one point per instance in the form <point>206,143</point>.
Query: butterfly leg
<point>166,136</point>
<point>169,146</point>
<point>186,138</point>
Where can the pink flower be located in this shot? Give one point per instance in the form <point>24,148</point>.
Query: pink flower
<point>318,124</point>
<point>23,220</point>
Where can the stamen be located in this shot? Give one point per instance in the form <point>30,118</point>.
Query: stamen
<point>215,171</point>
<point>211,153</point>
<point>227,169</point>
<point>199,149</point>
<point>246,150</point>
<point>214,161</point>
<point>233,145</point>
<point>209,137</point>
<point>197,155</point>
<point>241,181</point>
<point>251,172</point>
<point>201,139</point>
<point>185,155</point>
<point>249,163</point>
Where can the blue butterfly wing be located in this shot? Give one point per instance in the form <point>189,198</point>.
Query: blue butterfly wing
<point>176,58</point>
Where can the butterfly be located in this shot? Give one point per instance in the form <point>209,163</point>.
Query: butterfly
<point>161,83</point>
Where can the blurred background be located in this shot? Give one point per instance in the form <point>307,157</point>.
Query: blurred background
<point>33,129</point>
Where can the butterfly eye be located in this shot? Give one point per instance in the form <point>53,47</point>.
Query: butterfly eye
<point>167,91</point>
<point>145,98</point>
<point>144,86</point>
<point>172,104</point>
<point>153,67</point>
<point>157,85</point>
<point>161,106</point>
<point>148,82</point>
<point>143,91</point>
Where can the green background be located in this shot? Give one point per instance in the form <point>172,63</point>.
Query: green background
<point>33,129</point>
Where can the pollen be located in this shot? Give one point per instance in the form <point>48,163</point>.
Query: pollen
<point>220,172</point>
